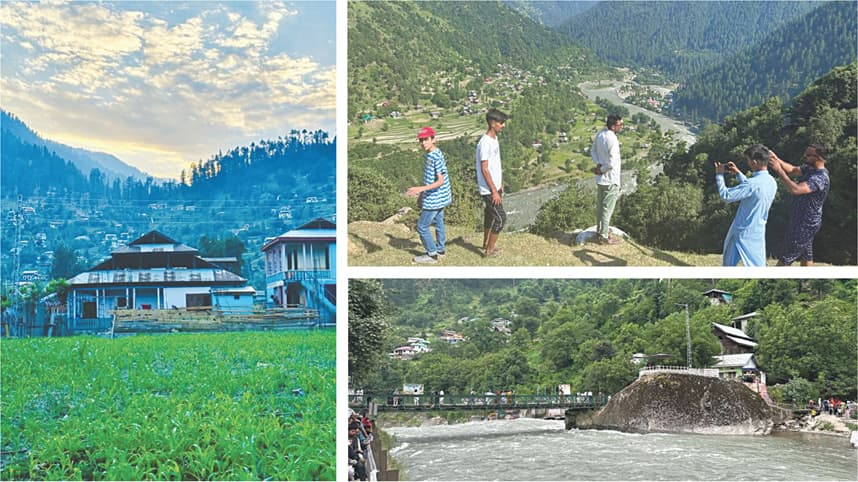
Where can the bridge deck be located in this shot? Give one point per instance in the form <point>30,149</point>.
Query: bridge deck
<point>388,402</point>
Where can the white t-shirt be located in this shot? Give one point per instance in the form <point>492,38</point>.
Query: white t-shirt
<point>606,154</point>
<point>488,149</point>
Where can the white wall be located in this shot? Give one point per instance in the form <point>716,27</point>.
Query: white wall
<point>176,296</point>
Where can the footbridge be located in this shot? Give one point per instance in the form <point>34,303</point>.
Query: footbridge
<point>487,401</point>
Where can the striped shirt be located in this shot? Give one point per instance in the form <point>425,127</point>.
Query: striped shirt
<point>441,196</point>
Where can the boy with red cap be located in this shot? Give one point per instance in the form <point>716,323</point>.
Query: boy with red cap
<point>435,194</point>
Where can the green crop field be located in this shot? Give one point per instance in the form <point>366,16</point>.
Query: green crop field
<point>191,407</point>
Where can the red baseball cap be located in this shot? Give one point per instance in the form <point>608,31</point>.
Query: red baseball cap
<point>426,132</point>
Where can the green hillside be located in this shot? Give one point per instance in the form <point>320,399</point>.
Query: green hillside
<point>406,53</point>
<point>781,65</point>
<point>584,332</point>
<point>678,38</point>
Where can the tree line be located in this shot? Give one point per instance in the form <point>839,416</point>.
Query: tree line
<point>781,65</point>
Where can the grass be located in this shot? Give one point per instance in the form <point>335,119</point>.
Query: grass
<point>377,244</point>
<point>189,407</point>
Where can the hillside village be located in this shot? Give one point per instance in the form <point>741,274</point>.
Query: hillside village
<point>736,360</point>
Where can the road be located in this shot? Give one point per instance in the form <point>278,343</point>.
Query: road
<point>609,92</point>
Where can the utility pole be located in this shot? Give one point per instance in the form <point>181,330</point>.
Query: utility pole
<point>16,274</point>
<point>687,335</point>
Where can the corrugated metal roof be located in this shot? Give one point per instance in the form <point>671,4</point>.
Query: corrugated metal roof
<point>303,235</point>
<point>239,290</point>
<point>155,276</point>
<point>742,341</point>
<point>744,360</point>
<point>744,317</point>
<point>729,330</point>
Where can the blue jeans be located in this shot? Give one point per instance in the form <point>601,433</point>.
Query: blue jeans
<point>428,217</point>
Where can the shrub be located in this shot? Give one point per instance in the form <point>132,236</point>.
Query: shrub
<point>573,209</point>
<point>664,214</point>
<point>371,196</point>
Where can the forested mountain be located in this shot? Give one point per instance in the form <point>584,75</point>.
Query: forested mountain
<point>84,160</point>
<point>781,65</point>
<point>584,332</point>
<point>399,49</point>
<point>251,192</point>
<point>678,38</point>
<point>553,13</point>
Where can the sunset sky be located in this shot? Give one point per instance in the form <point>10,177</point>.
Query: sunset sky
<point>164,84</point>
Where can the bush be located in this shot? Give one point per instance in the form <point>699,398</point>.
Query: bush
<point>575,208</point>
<point>664,214</point>
<point>371,196</point>
<point>797,390</point>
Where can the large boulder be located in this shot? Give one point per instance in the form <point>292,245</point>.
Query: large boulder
<point>685,403</point>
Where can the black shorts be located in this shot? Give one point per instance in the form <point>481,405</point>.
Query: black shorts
<point>494,216</point>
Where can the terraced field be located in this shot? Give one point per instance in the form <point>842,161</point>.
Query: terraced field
<point>189,407</point>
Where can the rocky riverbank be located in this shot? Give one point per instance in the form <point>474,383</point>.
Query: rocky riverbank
<point>820,424</point>
<point>683,403</point>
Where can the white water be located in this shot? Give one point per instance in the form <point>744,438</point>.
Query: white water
<point>530,449</point>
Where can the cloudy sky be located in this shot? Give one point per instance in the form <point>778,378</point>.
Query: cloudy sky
<point>163,84</point>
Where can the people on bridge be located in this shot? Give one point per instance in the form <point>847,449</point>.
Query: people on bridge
<point>357,461</point>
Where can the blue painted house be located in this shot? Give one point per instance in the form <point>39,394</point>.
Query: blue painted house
<point>152,272</point>
<point>301,269</point>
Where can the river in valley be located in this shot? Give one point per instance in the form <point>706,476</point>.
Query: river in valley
<point>532,449</point>
<point>608,90</point>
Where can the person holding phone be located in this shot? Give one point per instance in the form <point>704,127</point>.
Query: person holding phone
<point>746,239</point>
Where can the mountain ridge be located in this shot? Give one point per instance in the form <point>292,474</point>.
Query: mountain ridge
<point>85,159</point>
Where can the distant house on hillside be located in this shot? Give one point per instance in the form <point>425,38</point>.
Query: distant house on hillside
<point>733,340</point>
<point>737,366</point>
<point>718,297</point>
<point>152,272</point>
<point>403,353</point>
<point>741,322</point>
<point>501,325</point>
<point>737,361</point>
<point>300,268</point>
<point>451,337</point>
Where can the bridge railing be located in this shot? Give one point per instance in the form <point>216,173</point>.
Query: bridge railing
<point>703,372</point>
<point>386,401</point>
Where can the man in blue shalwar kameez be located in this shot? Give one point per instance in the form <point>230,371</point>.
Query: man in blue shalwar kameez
<point>746,239</point>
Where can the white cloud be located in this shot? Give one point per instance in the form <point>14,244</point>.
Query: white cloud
<point>176,92</point>
<point>175,45</point>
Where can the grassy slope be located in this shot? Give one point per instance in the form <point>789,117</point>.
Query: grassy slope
<point>377,244</point>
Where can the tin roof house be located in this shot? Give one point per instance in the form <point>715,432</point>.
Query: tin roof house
<point>733,340</point>
<point>300,269</point>
<point>153,272</point>
<point>737,360</point>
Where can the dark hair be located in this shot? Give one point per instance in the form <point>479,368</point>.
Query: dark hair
<point>759,153</point>
<point>612,119</point>
<point>820,150</point>
<point>354,426</point>
<point>495,115</point>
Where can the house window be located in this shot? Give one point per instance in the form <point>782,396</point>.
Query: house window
<point>198,299</point>
<point>90,312</point>
<point>321,257</point>
<point>121,302</point>
<point>292,259</point>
